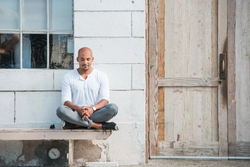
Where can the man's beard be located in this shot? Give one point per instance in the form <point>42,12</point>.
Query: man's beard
<point>85,68</point>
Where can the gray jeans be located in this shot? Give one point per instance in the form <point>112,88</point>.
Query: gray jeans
<point>102,115</point>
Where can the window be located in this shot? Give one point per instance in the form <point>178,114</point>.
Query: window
<point>36,34</point>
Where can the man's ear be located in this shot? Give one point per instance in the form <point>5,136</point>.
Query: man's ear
<point>77,59</point>
<point>93,58</point>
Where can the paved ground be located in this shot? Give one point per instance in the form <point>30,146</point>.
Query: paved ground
<point>195,163</point>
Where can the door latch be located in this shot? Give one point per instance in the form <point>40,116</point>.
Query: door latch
<point>223,66</point>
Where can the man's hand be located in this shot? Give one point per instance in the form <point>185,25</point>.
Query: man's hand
<point>80,110</point>
<point>87,112</point>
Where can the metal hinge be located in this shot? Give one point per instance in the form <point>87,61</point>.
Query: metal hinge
<point>148,2</point>
<point>148,68</point>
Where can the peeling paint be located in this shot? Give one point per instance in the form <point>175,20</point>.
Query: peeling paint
<point>177,90</point>
<point>90,151</point>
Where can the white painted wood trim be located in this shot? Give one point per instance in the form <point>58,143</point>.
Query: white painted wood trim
<point>46,134</point>
<point>184,81</point>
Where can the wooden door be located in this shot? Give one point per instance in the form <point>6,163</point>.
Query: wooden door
<point>187,99</point>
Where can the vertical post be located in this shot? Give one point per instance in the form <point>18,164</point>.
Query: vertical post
<point>71,153</point>
<point>21,34</point>
<point>153,76</point>
<point>48,5</point>
<point>156,46</point>
<point>146,81</point>
<point>222,89</point>
<point>231,76</point>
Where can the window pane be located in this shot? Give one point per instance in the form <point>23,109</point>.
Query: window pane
<point>9,14</point>
<point>61,15</point>
<point>34,15</point>
<point>9,51</point>
<point>61,51</point>
<point>26,51</point>
<point>35,50</point>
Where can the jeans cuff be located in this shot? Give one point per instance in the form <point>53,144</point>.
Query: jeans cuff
<point>90,122</point>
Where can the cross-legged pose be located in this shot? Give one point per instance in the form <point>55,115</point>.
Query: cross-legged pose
<point>85,97</point>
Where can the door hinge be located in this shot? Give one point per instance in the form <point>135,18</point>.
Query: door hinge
<point>148,68</point>
<point>148,2</point>
<point>148,135</point>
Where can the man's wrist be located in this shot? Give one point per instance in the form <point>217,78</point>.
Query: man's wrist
<point>77,108</point>
<point>94,109</point>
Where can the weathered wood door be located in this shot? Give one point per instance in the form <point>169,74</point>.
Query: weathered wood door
<point>187,100</point>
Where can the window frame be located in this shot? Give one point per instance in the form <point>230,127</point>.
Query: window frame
<point>20,31</point>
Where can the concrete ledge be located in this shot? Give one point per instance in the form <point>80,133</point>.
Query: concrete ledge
<point>47,134</point>
<point>101,164</point>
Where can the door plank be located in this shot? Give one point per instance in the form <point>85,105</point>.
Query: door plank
<point>161,70</point>
<point>222,89</point>
<point>213,152</point>
<point>169,51</point>
<point>177,69</point>
<point>214,70</point>
<point>169,114</point>
<point>147,145</point>
<point>242,149</point>
<point>153,51</point>
<point>185,81</point>
<point>231,85</point>
<point>222,117</point>
<point>197,112</point>
<point>188,116</point>
<point>178,109</point>
<point>207,113</point>
<point>188,144</point>
<point>206,54</point>
<point>243,69</point>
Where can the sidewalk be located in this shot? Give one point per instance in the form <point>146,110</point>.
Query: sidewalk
<point>195,163</point>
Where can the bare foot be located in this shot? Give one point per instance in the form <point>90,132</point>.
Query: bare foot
<point>78,126</point>
<point>96,125</point>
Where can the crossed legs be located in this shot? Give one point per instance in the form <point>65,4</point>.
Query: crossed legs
<point>102,115</point>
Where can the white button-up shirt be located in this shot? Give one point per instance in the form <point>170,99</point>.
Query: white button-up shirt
<point>85,92</point>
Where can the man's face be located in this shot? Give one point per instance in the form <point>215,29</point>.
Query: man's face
<point>85,59</point>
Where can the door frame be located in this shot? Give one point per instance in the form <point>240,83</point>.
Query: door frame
<point>226,90</point>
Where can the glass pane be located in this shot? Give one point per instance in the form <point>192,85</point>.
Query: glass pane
<point>61,51</point>
<point>9,51</point>
<point>34,15</point>
<point>61,15</point>
<point>35,50</point>
<point>26,51</point>
<point>9,14</point>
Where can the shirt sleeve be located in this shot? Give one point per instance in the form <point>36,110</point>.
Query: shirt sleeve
<point>66,90</point>
<point>104,88</point>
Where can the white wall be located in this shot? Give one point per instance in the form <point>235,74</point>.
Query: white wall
<point>115,31</point>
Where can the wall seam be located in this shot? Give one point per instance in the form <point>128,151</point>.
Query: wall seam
<point>131,76</point>
<point>131,25</point>
<point>53,80</point>
<point>14,107</point>
<point>92,11</point>
<point>109,37</point>
<point>60,90</point>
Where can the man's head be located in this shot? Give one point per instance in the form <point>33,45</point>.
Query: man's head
<point>85,58</point>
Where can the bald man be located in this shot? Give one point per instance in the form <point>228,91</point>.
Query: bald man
<point>85,97</point>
